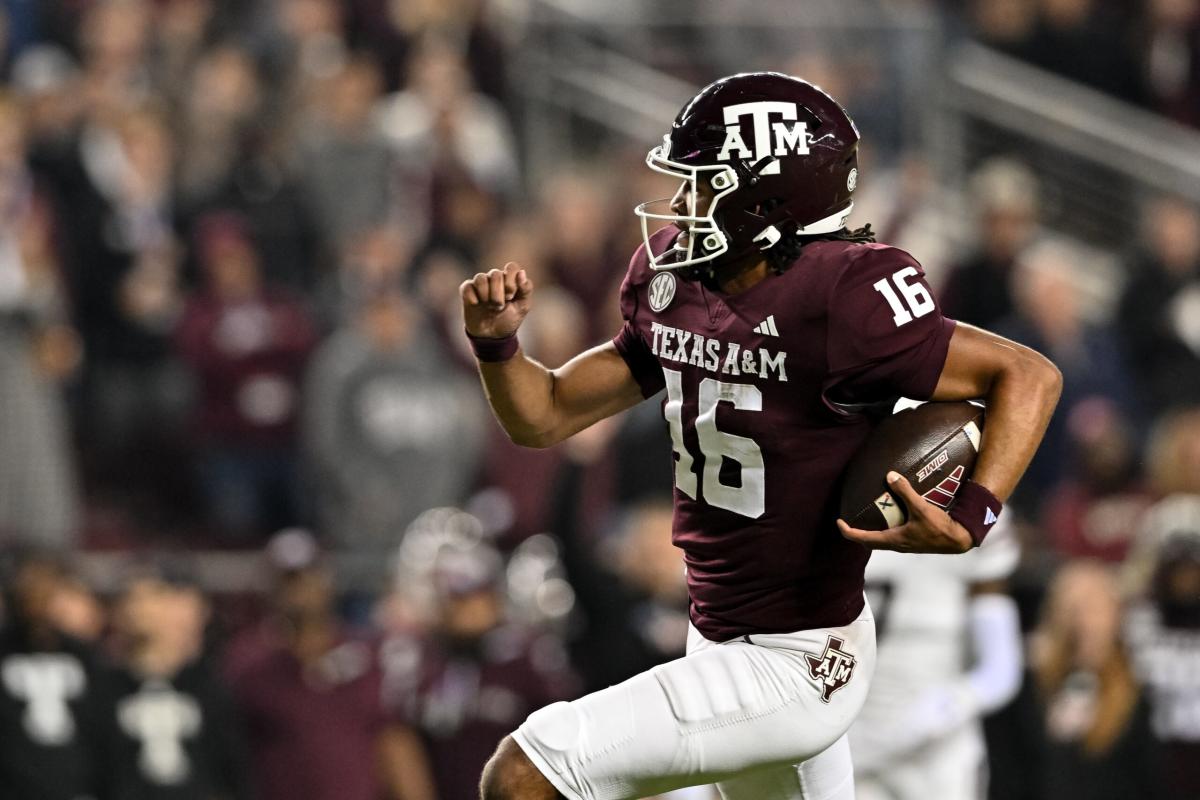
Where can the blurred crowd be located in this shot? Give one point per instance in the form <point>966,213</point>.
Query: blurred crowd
<point>231,236</point>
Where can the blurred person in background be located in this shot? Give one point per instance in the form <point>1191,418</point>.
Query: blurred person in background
<point>979,290</point>
<point>218,118</point>
<point>246,343</point>
<point>630,589</point>
<point>309,690</point>
<point>1049,316</point>
<point>391,425</point>
<point>1090,42</point>
<point>1159,312</point>
<point>1084,720</point>
<point>50,725</point>
<point>1164,633</point>
<point>1173,453</point>
<point>456,150</point>
<point>170,729</point>
<point>1170,49</point>
<point>949,654</point>
<point>473,675</point>
<point>394,27</point>
<point>580,252</point>
<point>345,164</point>
<point>39,503</point>
<point>1095,511</point>
<point>123,268</point>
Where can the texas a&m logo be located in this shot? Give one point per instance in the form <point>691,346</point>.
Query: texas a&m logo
<point>780,136</point>
<point>832,669</point>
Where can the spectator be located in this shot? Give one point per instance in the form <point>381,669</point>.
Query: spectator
<point>1095,512</point>
<point>49,725</point>
<point>219,116</point>
<point>247,343</point>
<point>1165,635</point>
<point>344,163</point>
<point>38,497</point>
<point>1174,453</point>
<point>979,290</point>
<point>1088,42</point>
<point>1087,721</point>
<point>391,423</point>
<point>170,730</point>
<point>123,271</point>
<point>309,689</point>
<point>474,677</point>
<point>1171,58</point>
<point>455,146</point>
<point>1159,313</point>
<point>1050,318</point>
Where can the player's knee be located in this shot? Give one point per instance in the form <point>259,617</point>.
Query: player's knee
<point>510,775</point>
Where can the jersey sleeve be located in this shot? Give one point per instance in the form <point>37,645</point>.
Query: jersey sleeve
<point>887,337</point>
<point>629,341</point>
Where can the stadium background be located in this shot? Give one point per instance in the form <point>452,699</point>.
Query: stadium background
<point>231,235</point>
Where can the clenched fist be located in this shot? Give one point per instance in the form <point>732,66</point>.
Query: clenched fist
<point>495,302</point>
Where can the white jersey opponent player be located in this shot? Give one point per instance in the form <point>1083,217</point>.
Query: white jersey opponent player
<point>949,651</point>
<point>774,331</point>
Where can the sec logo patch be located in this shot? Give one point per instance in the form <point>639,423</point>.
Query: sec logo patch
<point>662,291</point>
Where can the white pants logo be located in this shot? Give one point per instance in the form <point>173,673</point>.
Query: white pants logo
<point>782,137</point>
<point>45,682</point>
<point>160,718</point>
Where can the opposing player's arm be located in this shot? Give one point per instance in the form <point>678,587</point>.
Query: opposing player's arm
<point>536,406</point>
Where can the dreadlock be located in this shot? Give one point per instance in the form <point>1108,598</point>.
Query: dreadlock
<point>785,253</point>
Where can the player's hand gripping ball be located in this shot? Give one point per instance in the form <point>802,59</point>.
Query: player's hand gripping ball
<point>933,446</point>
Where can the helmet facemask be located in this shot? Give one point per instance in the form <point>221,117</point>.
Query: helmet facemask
<point>705,241</point>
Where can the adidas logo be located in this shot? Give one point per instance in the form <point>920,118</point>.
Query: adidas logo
<point>989,518</point>
<point>767,327</point>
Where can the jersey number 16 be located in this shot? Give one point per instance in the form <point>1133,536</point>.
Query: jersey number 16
<point>748,499</point>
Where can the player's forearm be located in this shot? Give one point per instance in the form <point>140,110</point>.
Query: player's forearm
<point>521,394</point>
<point>1021,388</point>
<point>539,407</point>
<point>1020,402</point>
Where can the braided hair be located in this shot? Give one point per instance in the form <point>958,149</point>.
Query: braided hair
<point>785,253</point>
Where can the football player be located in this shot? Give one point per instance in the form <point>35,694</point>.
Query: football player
<point>774,330</point>
<point>949,651</point>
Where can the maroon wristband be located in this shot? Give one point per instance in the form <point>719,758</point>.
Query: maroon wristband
<point>976,509</point>
<point>493,351</point>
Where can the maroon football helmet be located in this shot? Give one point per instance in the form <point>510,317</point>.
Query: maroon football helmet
<point>780,155</point>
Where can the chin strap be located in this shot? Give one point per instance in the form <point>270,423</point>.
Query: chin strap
<point>834,222</point>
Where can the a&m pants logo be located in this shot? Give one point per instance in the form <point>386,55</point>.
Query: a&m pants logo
<point>832,669</point>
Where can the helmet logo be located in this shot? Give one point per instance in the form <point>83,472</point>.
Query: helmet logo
<point>662,291</point>
<point>852,180</point>
<point>781,137</point>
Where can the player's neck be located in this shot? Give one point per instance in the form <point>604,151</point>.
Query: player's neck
<point>742,275</point>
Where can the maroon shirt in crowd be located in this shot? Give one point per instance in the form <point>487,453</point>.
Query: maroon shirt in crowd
<point>313,733</point>
<point>760,394</point>
<point>464,703</point>
<point>248,359</point>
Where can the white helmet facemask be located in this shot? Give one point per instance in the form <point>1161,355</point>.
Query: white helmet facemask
<point>702,229</point>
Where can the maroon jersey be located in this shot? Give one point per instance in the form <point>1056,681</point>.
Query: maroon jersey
<point>764,394</point>
<point>465,702</point>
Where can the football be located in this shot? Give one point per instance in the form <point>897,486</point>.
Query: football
<point>933,445</point>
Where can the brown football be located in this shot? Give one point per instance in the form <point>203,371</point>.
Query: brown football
<point>933,445</point>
